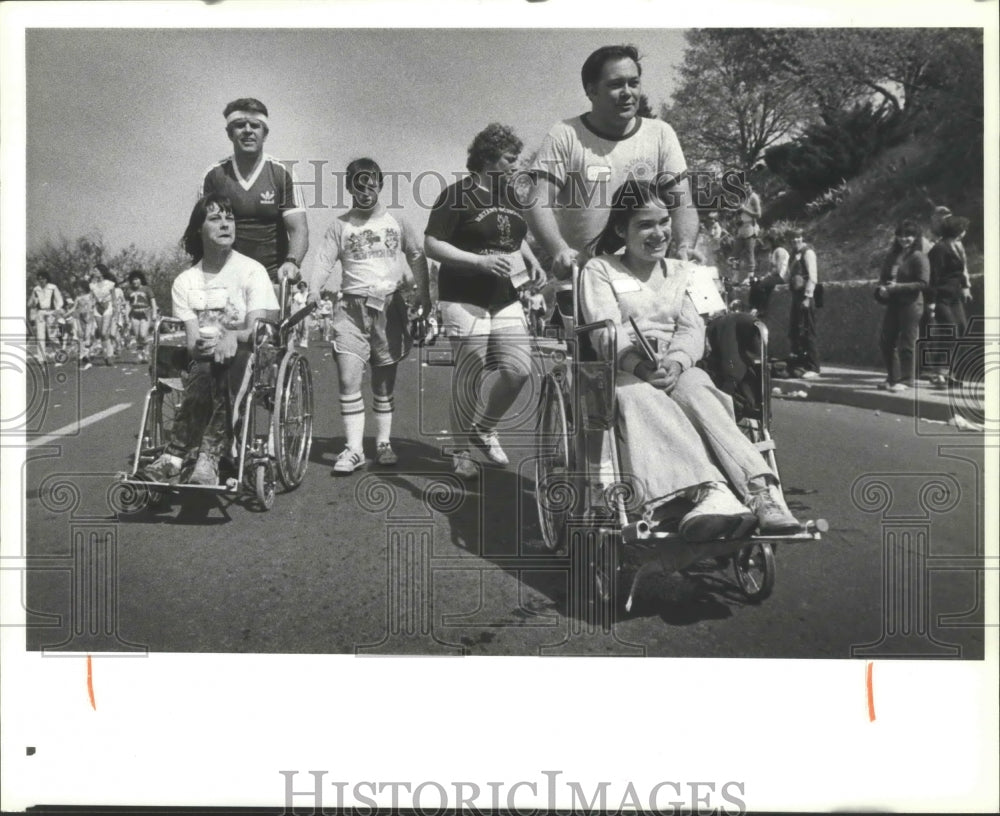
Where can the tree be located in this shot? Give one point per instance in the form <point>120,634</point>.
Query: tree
<point>737,97</point>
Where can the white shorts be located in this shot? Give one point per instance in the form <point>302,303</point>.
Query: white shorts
<point>466,320</point>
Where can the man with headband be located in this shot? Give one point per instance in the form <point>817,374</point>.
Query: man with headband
<point>270,214</point>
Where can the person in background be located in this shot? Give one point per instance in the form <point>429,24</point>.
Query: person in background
<point>949,290</point>
<point>710,245</point>
<point>44,302</point>
<point>325,313</point>
<point>761,288</point>
<point>477,232</point>
<point>102,286</point>
<point>299,301</point>
<point>370,326</point>
<point>901,290</point>
<point>141,310</point>
<point>271,224</point>
<point>802,280</point>
<point>85,315</point>
<point>745,243</point>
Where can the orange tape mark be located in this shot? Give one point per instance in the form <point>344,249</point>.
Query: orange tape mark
<point>871,693</point>
<point>90,682</point>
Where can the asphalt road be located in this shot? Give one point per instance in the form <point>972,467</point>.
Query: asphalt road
<point>403,560</point>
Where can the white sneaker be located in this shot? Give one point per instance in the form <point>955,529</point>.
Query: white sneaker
<point>489,444</point>
<point>348,461</point>
<point>717,514</point>
<point>810,375</point>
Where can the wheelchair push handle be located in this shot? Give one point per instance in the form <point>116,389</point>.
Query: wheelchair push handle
<point>294,319</point>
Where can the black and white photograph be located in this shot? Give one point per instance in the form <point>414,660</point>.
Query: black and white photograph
<point>500,406</point>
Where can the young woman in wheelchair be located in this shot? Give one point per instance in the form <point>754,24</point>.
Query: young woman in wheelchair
<point>219,299</point>
<point>679,431</point>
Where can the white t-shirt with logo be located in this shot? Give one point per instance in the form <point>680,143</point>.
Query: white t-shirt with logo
<point>223,299</point>
<point>587,168</point>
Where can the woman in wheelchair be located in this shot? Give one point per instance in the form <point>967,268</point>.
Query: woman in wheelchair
<point>678,429</point>
<point>219,299</point>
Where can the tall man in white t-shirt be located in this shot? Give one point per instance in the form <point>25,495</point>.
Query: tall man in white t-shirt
<point>583,160</point>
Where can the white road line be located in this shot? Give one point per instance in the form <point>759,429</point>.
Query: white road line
<point>80,424</point>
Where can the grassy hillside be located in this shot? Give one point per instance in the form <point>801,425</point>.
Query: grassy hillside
<point>852,238</point>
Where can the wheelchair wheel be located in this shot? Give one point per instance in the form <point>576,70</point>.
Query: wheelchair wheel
<point>264,485</point>
<point>554,490</point>
<point>754,568</point>
<point>292,419</point>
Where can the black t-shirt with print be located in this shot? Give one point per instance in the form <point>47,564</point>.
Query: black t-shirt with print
<point>484,222</point>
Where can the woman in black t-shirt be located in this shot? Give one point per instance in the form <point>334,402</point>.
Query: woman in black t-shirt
<point>477,231</point>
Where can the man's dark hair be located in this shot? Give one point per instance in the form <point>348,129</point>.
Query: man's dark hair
<point>246,104</point>
<point>908,227</point>
<point>191,241</point>
<point>953,226</point>
<point>137,273</point>
<point>591,71</point>
<point>43,276</point>
<point>364,169</point>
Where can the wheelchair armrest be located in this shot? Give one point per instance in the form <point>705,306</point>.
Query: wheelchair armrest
<point>609,325</point>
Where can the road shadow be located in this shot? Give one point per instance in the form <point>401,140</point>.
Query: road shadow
<point>496,520</point>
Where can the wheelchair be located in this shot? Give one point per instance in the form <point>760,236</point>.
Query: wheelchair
<point>586,508</point>
<point>271,434</point>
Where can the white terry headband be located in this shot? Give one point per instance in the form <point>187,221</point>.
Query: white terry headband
<point>238,114</point>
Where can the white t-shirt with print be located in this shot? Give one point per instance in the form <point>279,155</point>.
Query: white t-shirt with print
<point>223,299</point>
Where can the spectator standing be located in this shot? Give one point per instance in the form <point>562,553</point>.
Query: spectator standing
<point>950,289</point>
<point>746,234</point>
<point>901,287</point>
<point>802,281</point>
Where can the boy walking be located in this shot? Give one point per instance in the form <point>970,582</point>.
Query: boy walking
<point>370,324</point>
